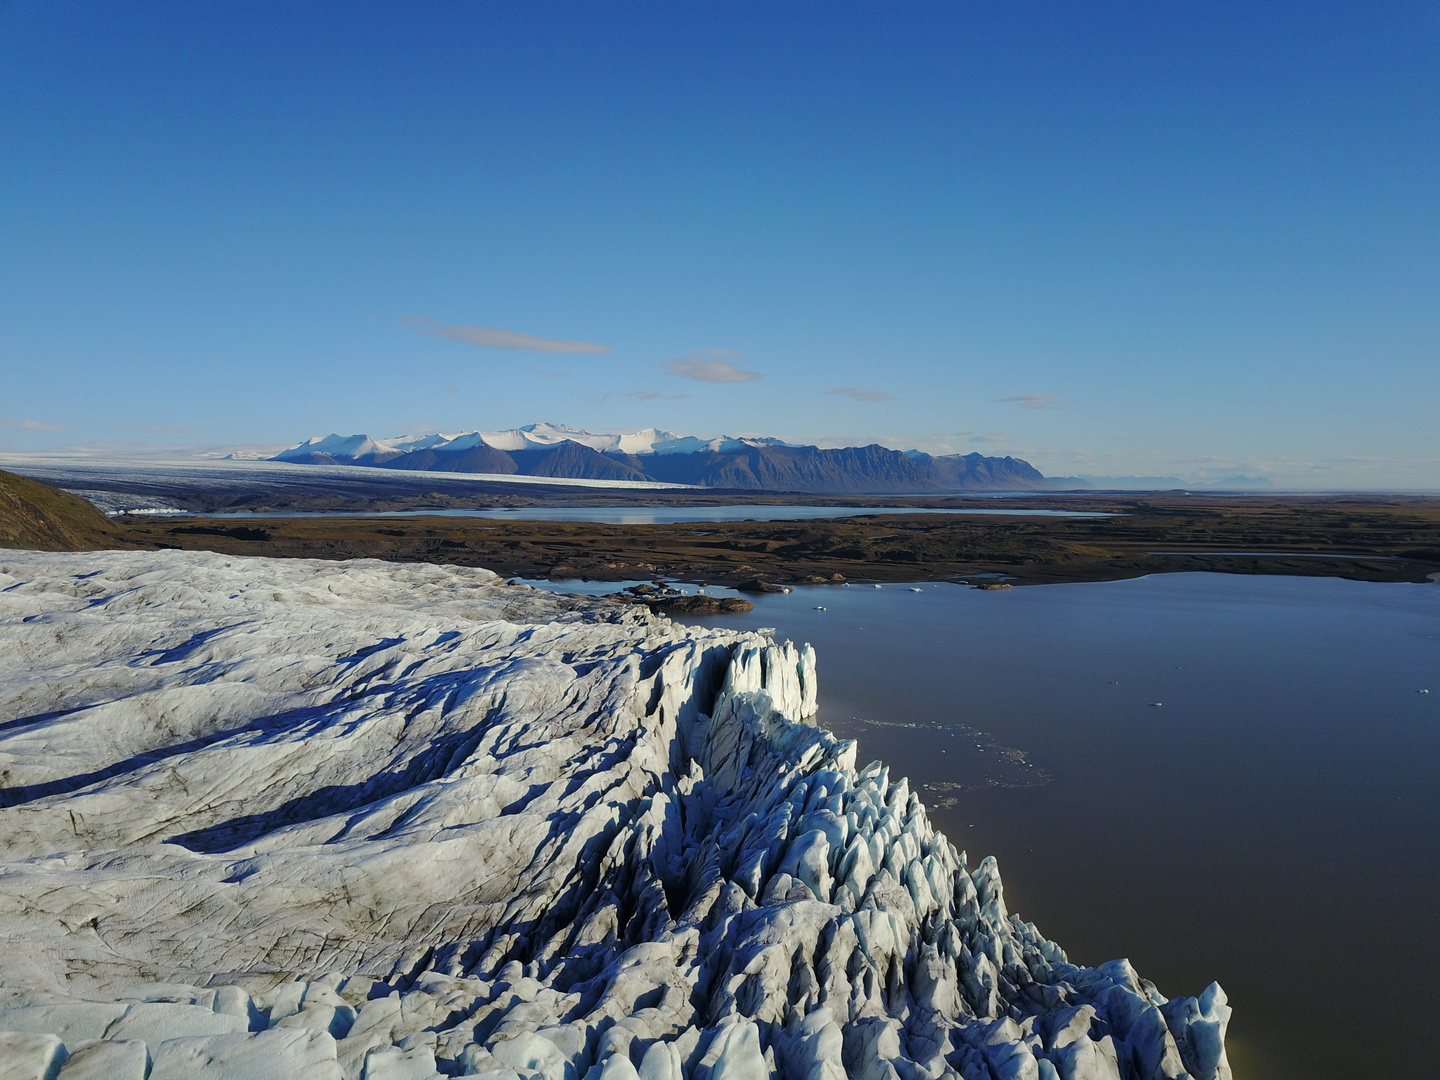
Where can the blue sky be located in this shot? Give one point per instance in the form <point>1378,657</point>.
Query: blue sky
<point>1196,240</point>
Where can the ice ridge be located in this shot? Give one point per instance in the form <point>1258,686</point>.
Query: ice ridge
<point>289,818</point>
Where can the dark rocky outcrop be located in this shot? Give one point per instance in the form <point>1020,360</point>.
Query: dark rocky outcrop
<point>701,604</point>
<point>755,585</point>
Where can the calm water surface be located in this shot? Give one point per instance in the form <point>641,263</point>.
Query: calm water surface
<point>1273,823</point>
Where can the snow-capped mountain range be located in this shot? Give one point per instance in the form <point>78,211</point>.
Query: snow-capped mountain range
<point>535,436</point>
<point>652,455</point>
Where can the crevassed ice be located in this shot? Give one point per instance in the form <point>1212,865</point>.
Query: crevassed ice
<point>279,818</point>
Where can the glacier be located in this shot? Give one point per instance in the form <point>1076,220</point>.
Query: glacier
<point>290,818</point>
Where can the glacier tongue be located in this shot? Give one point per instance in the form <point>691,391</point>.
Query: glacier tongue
<point>294,818</point>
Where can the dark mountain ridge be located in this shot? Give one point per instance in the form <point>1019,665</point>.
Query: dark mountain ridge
<point>850,470</point>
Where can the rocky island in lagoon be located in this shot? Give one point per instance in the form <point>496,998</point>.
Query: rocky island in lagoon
<point>317,819</point>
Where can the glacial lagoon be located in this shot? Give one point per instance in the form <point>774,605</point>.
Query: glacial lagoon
<point>1226,777</point>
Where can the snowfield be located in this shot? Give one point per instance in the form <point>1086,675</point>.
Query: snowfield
<point>284,818</point>
<point>539,435</point>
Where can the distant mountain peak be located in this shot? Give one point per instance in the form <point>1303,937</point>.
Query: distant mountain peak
<point>755,463</point>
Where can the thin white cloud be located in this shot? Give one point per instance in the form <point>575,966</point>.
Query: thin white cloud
<point>1035,401</point>
<point>489,337</point>
<point>860,395</point>
<point>654,395</point>
<point>31,425</point>
<point>704,367</point>
<point>989,437</point>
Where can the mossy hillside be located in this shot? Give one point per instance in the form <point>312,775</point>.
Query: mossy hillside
<point>42,518</point>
